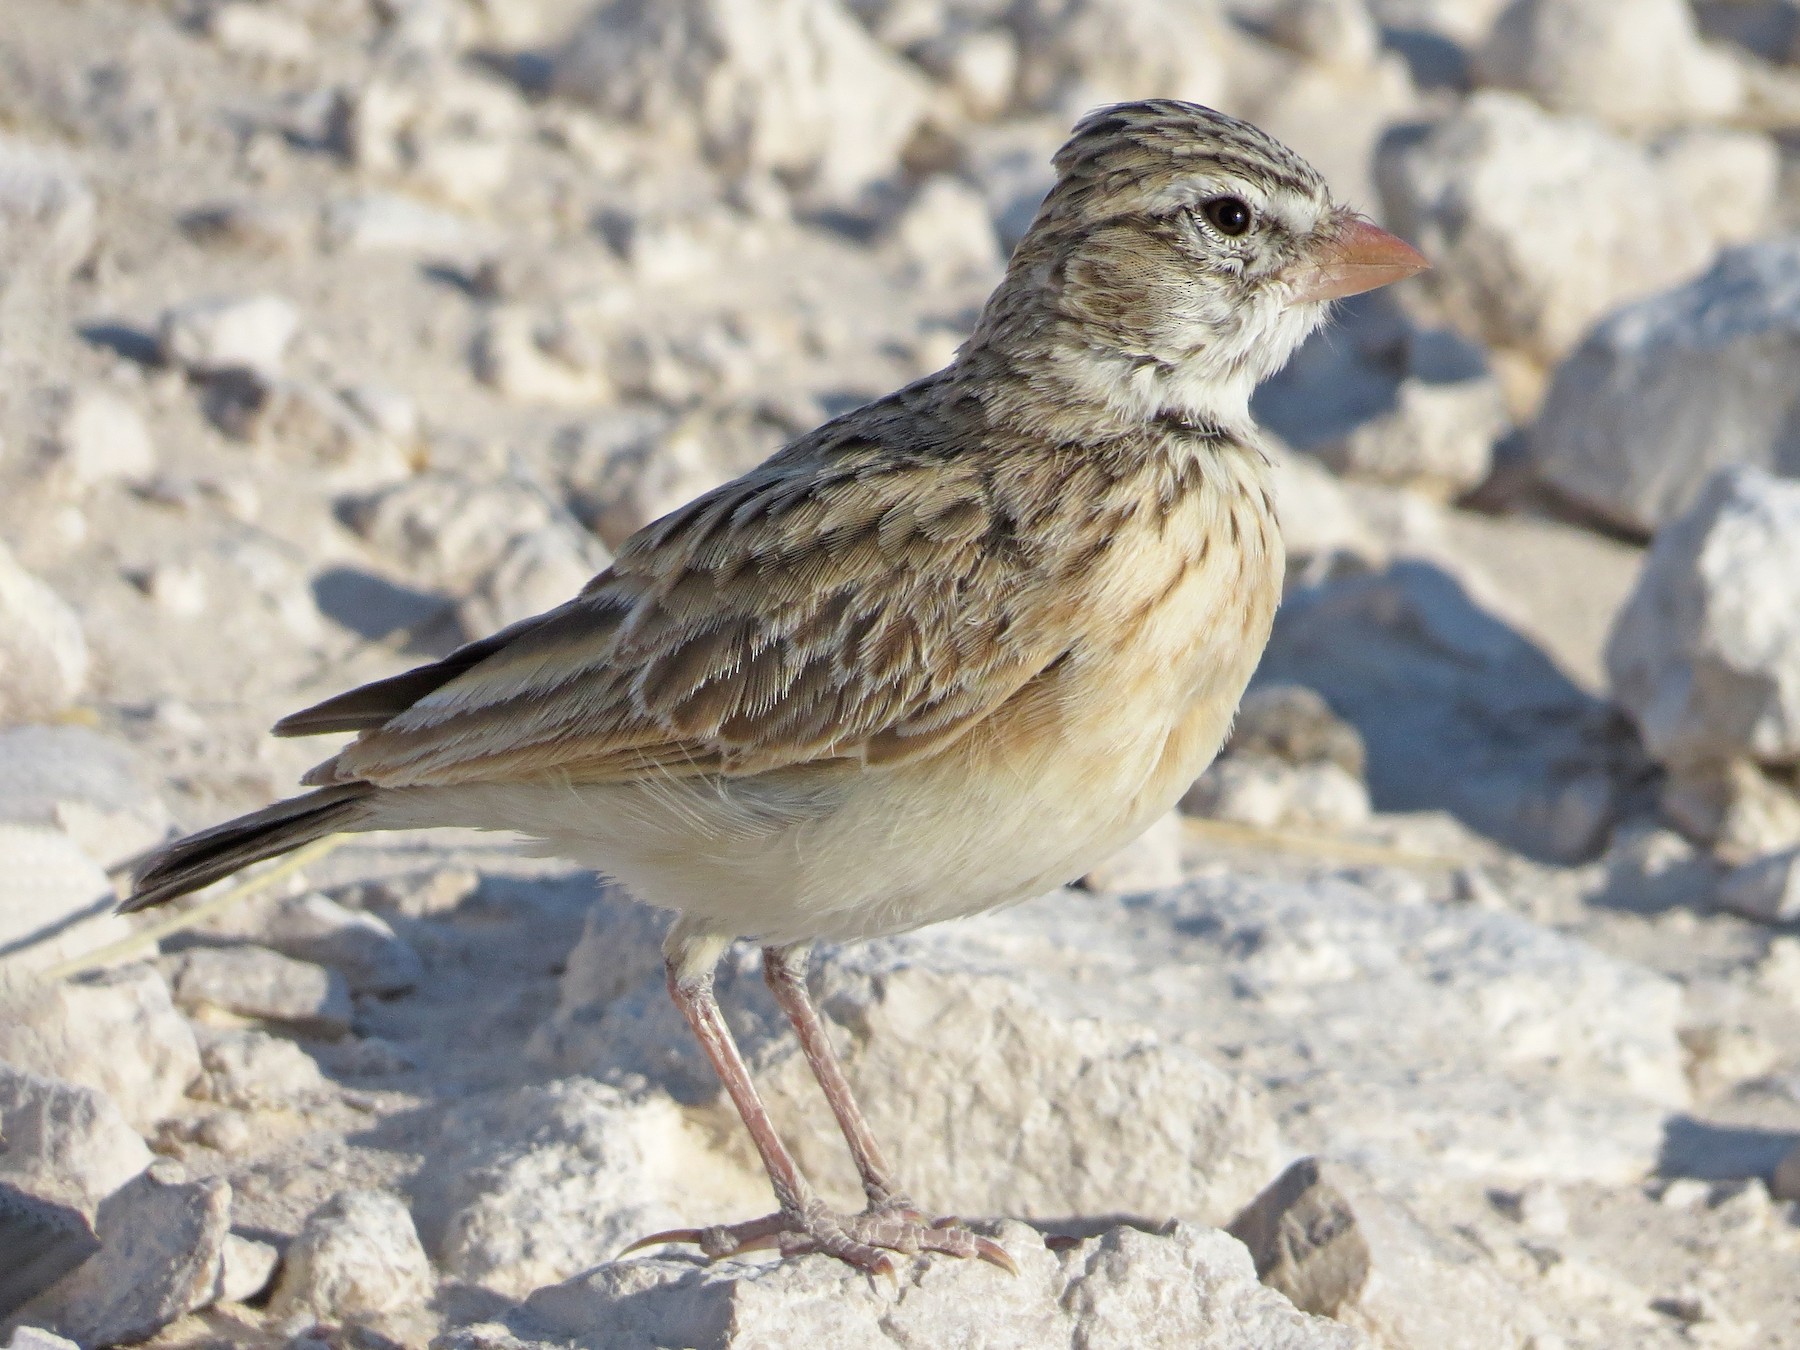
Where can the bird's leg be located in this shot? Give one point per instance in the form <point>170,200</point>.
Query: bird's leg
<point>784,968</point>
<point>803,1223</point>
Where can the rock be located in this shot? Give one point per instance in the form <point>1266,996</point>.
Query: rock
<point>116,1031</point>
<point>795,87</point>
<point>256,982</point>
<point>982,1059</point>
<point>1705,656</point>
<point>1192,1288</point>
<point>980,66</point>
<point>1785,1185</point>
<point>382,221</point>
<point>531,359</point>
<point>435,129</point>
<point>1767,890</point>
<point>162,1242</point>
<point>1519,211</point>
<point>1147,863</point>
<point>46,211</point>
<point>536,572</point>
<point>1319,521</point>
<point>64,1142</point>
<point>93,788</point>
<point>1291,723</point>
<point>40,1242</point>
<point>1734,808</point>
<point>1332,32</point>
<point>43,655</point>
<point>362,948</point>
<point>1255,789</point>
<point>237,333</point>
<point>946,235</point>
<point>1433,682</point>
<point>525,1188</point>
<point>260,33</point>
<point>357,1256</point>
<point>55,901</point>
<point>1302,1234</point>
<point>253,1070</point>
<point>245,1270</point>
<point>1638,67</point>
<point>1438,439</point>
<point>101,436</point>
<point>1075,55</point>
<point>447,530</point>
<point>1730,177</point>
<point>1669,390</point>
<point>32,1338</point>
<point>253,225</point>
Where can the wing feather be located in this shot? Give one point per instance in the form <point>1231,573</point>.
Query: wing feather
<point>869,607</point>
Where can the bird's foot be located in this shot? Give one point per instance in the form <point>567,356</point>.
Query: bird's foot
<point>865,1241</point>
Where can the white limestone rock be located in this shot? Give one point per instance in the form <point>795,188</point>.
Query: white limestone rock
<point>43,654</point>
<point>245,1268</point>
<point>1147,863</point>
<point>252,1070</point>
<point>1076,55</point>
<point>100,437</point>
<point>1253,789</point>
<point>1191,1288</point>
<point>117,1032</point>
<point>357,1256</point>
<point>55,900</point>
<point>362,948</point>
<point>432,127</point>
<point>35,1338</point>
<point>446,530</point>
<point>1636,66</point>
<point>1705,656</point>
<point>1767,889</point>
<point>1521,212</point>
<point>530,357</point>
<point>794,87</point>
<point>536,572</point>
<point>162,1245</point>
<point>1439,438</point>
<point>93,788</point>
<point>64,1142</point>
<point>1669,390</point>
<point>946,235</point>
<point>47,211</point>
<point>523,1189</point>
<point>1728,177</point>
<point>255,982</point>
<point>232,333</point>
<point>1331,32</point>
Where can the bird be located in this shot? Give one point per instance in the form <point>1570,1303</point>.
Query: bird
<point>942,654</point>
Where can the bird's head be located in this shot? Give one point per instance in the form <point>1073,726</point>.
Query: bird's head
<point>1179,260</point>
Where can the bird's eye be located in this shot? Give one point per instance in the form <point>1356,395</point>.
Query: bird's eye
<point>1227,215</point>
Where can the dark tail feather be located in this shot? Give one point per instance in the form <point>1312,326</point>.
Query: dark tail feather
<point>201,859</point>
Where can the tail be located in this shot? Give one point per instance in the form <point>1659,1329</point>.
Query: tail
<point>201,859</point>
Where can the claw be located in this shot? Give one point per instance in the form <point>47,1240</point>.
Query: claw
<point>661,1239</point>
<point>995,1255</point>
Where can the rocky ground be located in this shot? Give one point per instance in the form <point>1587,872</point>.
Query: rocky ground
<point>1464,992</point>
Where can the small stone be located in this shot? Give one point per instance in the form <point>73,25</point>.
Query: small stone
<point>1638,66</point>
<point>1537,1208</point>
<point>1665,393</point>
<point>537,572</point>
<point>1334,32</point>
<point>55,900</point>
<point>1256,790</point>
<point>1292,723</point>
<point>162,1243</point>
<point>43,654</point>
<point>1302,1234</point>
<point>1077,54</point>
<point>1684,1193</point>
<point>980,66</point>
<point>1148,863</point>
<point>254,226</point>
<point>384,221</point>
<point>260,32</point>
<point>1785,1184</point>
<point>225,1132</point>
<point>946,235</point>
<point>1705,654</point>
<point>432,895</point>
<point>177,589</point>
<point>47,211</point>
<point>361,947</point>
<point>357,1256</point>
<point>1736,809</point>
<point>525,360</point>
<point>211,337</point>
<point>93,787</point>
<point>100,437</point>
<point>256,982</point>
<point>1438,439</point>
<point>41,1241</point>
<point>1779,970</point>
<point>1767,890</point>
<point>65,1142</point>
<point>117,1031</point>
<point>34,1338</point>
<point>1521,213</point>
<point>253,1070</point>
<point>245,1270</point>
<point>1731,177</point>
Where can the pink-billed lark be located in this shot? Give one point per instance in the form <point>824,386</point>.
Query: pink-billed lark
<point>944,653</point>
